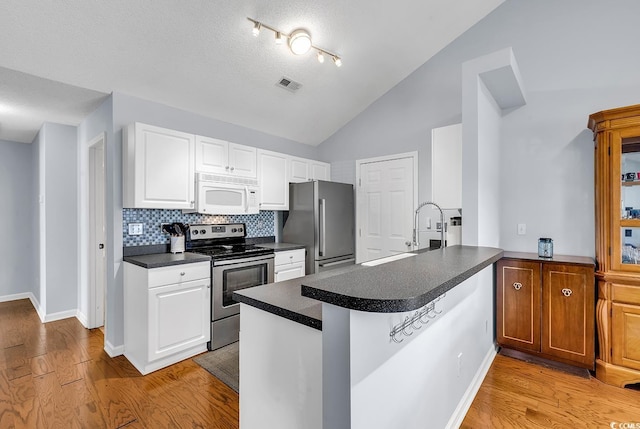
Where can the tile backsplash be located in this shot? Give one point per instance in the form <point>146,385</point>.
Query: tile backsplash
<point>258,225</point>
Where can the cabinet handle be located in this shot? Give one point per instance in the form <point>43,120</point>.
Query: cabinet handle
<point>182,273</point>
<point>517,285</point>
<point>567,292</point>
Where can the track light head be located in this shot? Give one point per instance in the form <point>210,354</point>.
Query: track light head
<point>337,61</point>
<point>256,28</point>
<point>320,57</point>
<point>278,38</point>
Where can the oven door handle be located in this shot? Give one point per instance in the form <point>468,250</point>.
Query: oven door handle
<point>249,260</point>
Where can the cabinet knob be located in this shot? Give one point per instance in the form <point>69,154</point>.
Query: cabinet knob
<point>182,273</point>
<point>567,292</point>
<point>232,168</point>
<point>227,167</point>
<point>517,285</point>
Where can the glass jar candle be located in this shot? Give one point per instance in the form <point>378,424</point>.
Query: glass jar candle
<point>545,248</point>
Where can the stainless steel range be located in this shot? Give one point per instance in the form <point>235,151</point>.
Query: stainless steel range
<point>235,265</point>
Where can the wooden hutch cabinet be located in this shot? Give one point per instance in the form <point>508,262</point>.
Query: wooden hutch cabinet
<point>545,307</point>
<point>617,199</point>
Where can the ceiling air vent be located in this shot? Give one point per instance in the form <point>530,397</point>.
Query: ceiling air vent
<point>288,84</point>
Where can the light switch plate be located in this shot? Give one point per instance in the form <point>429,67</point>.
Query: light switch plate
<point>522,228</point>
<point>135,228</point>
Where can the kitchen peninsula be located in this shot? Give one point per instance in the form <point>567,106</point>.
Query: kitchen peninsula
<point>369,347</point>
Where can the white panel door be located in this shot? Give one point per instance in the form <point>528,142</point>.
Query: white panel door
<point>212,155</point>
<point>385,208</point>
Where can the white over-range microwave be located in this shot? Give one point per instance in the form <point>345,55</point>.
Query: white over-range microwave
<point>226,195</point>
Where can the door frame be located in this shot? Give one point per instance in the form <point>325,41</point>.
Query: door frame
<point>414,156</point>
<point>96,313</point>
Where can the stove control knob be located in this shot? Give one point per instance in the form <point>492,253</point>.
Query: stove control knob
<point>203,231</point>
<point>240,229</point>
<point>195,232</point>
<point>234,230</point>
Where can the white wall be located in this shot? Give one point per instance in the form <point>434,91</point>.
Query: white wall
<point>16,191</point>
<point>546,166</point>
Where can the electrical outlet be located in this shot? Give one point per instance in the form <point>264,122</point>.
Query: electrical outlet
<point>136,228</point>
<point>522,228</point>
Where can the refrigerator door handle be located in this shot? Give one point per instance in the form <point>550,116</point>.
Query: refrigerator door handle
<point>323,204</point>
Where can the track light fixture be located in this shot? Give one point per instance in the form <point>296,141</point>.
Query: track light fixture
<point>299,42</point>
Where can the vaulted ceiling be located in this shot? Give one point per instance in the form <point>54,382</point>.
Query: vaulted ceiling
<point>60,59</point>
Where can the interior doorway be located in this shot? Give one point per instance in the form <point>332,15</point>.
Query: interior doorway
<point>97,252</point>
<point>387,192</point>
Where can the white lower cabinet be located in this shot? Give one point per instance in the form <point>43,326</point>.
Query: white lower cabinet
<point>167,314</point>
<point>289,264</point>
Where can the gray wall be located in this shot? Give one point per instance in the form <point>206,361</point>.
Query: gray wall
<point>16,193</point>
<point>575,58</point>
<point>60,200</point>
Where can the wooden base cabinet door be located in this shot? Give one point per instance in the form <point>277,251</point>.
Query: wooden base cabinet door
<point>568,299</point>
<point>625,335</point>
<point>518,297</point>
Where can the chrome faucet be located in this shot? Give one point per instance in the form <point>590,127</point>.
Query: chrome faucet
<point>415,224</point>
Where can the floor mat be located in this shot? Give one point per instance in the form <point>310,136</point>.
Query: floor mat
<point>224,364</point>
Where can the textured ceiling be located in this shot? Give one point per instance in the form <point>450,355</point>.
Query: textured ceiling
<point>58,59</point>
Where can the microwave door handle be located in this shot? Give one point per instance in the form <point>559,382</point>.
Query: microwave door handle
<point>323,204</point>
<point>246,199</point>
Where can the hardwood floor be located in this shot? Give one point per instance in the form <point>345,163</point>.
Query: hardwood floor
<point>57,375</point>
<point>516,394</point>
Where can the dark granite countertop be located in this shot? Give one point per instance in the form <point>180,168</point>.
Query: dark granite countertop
<point>157,260</point>
<point>402,285</point>
<point>281,247</point>
<point>284,298</point>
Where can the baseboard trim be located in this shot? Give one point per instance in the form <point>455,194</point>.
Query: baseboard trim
<point>467,399</point>
<point>17,296</point>
<point>82,318</point>
<point>112,350</point>
<point>60,315</point>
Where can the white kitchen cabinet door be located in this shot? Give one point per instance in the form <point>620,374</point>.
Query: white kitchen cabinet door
<point>298,170</point>
<point>446,166</point>
<point>178,317</point>
<point>242,160</point>
<point>320,170</point>
<point>158,168</point>
<point>273,176</point>
<point>212,155</point>
<point>289,272</point>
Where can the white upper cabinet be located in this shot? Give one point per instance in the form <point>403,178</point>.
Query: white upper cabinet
<point>446,166</point>
<point>303,170</point>
<point>158,168</point>
<point>273,174</point>
<point>222,157</point>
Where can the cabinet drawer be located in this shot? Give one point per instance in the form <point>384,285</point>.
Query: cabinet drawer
<point>625,293</point>
<point>289,257</point>
<point>179,274</point>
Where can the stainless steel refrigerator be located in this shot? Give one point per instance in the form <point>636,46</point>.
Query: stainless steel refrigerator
<point>322,217</point>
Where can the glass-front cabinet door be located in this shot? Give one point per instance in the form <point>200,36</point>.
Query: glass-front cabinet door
<point>626,217</point>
